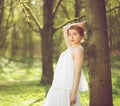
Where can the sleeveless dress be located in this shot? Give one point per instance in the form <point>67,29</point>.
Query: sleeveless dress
<point>59,93</point>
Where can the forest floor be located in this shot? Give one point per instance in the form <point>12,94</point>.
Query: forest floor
<point>20,86</point>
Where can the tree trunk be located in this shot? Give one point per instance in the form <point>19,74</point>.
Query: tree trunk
<point>14,46</point>
<point>1,10</point>
<point>30,48</point>
<point>98,55</point>
<point>47,47</point>
<point>77,7</point>
<point>1,19</point>
<point>110,33</point>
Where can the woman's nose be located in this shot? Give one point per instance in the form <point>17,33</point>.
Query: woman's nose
<point>72,37</point>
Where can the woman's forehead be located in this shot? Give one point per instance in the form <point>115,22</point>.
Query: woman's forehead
<point>72,30</point>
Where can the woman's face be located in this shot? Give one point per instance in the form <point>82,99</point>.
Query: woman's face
<point>74,37</point>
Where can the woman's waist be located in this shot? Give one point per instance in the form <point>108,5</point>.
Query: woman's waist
<point>62,84</point>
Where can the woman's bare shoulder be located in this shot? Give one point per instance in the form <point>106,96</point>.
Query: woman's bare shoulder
<point>78,53</point>
<point>78,50</point>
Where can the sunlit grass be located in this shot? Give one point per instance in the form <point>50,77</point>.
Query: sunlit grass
<point>22,93</point>
<point>20,86</point>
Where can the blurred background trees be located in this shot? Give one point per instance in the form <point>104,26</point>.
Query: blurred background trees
<point>24,23</point>
<point>32,29</point>
<point>31,34</point>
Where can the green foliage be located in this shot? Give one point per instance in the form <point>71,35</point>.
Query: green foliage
<point>115,67</point>
<point>19,44</point>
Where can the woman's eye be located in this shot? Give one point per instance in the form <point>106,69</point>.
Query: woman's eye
<point>75,34</point>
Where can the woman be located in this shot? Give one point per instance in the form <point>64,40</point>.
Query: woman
<point>68,77</point>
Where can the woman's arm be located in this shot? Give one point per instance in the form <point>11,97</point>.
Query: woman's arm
<point>78,55</point>
<point>65,28</point>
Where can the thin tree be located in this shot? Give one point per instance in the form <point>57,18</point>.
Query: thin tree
<point>1,19</point>
<point>98,55</point>
<point>77,7</point>
<point>1,35</point>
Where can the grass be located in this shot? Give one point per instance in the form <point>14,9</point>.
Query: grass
<point>28,93</point>
<point>21,87</point>
<point>22,94</point>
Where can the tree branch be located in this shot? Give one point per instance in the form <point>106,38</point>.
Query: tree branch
<point>75,19</point>
<point>29,23</point>
<point>56,7</point>
<point>65,11</point>
<point>28,20</point>
<point>112,9</point>
<point>29,13</point>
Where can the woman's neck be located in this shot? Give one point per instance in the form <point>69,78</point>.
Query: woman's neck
<point>74,46</point>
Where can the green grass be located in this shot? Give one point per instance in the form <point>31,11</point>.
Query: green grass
<point>28,93</point>
<point>20,86</point>
<point>22,94</point>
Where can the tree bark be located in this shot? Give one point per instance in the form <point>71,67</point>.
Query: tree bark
<point>98,55</point>
<point>1,19</point>
<point>14,45</point>
<point>77,7</point>
<point>47,47</point>
<point>110,33</point>
<point>1,10</point>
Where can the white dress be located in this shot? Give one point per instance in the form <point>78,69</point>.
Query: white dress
<point>59,93</point>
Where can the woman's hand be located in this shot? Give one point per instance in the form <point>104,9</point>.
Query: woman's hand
<point>72,99</point>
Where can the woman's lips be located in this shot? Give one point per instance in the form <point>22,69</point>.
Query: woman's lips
<point>72,40</point>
